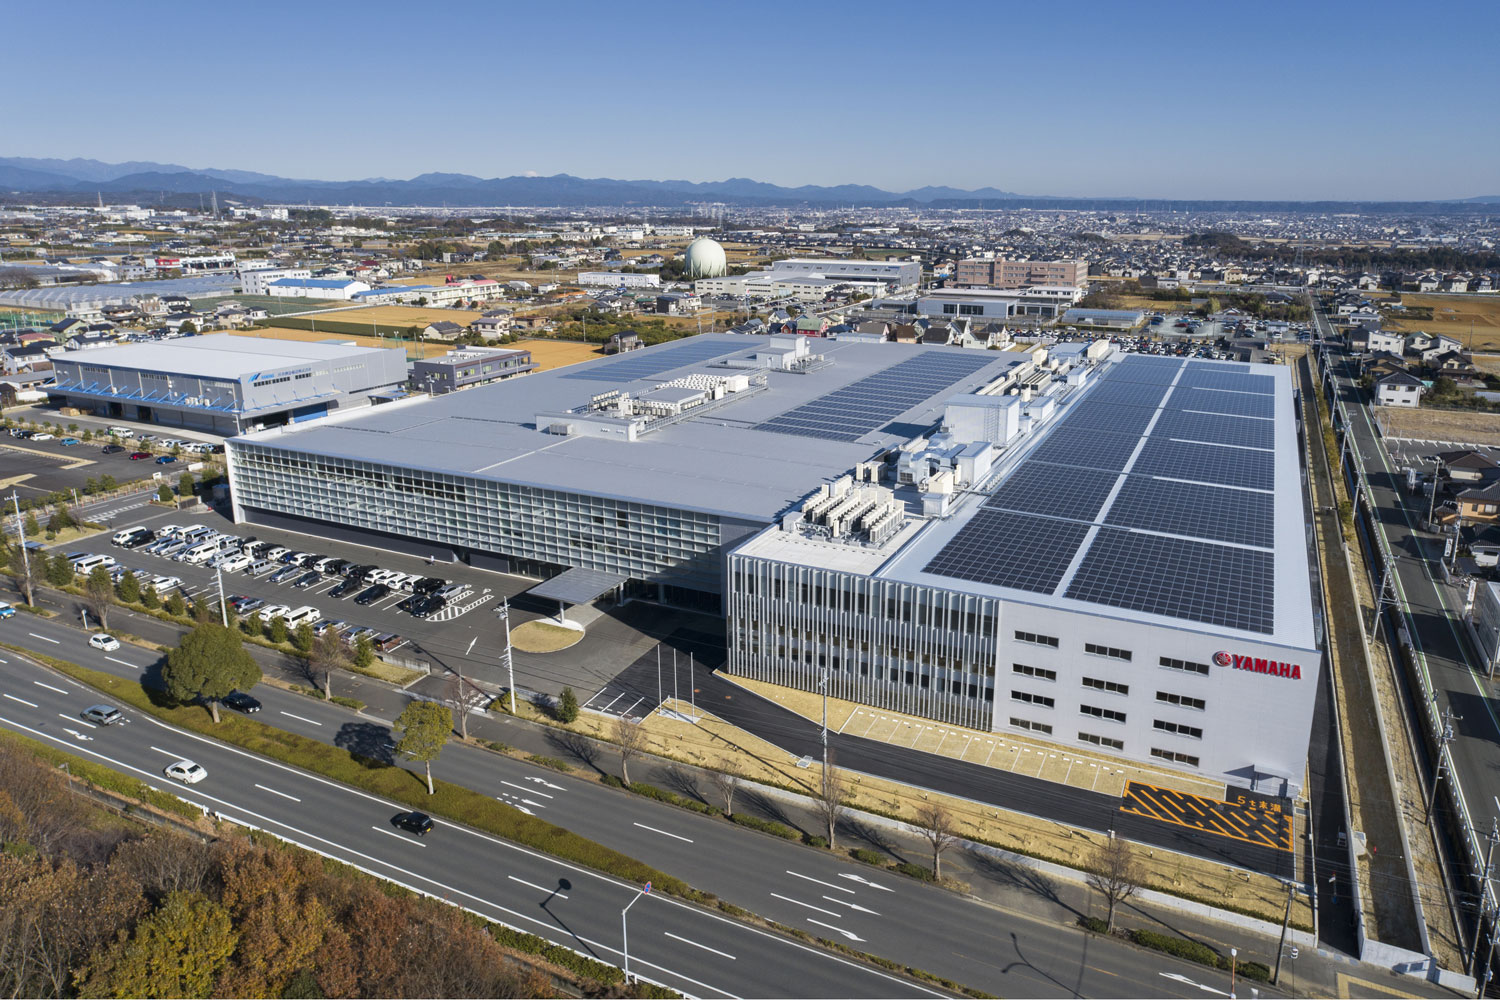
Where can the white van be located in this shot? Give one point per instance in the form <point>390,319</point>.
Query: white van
<point>260,567</point>
<point>195,532</point>
<point>306,613</point>
<point>200,552</point>
<point>121,537</point>
<point>86,565</point>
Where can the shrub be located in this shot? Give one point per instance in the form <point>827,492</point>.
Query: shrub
<point>1094,924</point>
<point>353,703</point>
<point>499,747</point>
<point>277,632</point>
<point>176,605</point>
<point>567,706</point>
<point>1258,971</point>
<point>812,840</point>
<point>672,798</point>
<point>1193,951</point>
<point>552,762</point>
<point>915,871</point>
<point>613,781</point>
<point>766,826</point>
<point>868,856</point>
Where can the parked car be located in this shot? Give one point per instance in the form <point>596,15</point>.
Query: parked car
<point>138,456</point>
<point>413,822</point>
<point>112,449</point>
<point>307,560</point>
<point>103,715</point>
<point>186,772</point>
<point>352,635</point>
<point>344,588</point>
<point>241,702</point>
<point>43,436</point>
<point>275,552</point>
<point>285,573</point>
<point>274,611</point>
<point>330,565</point>
<point>162,583</point>
<point>69,442</point>
<point>108,643</point>
<point>388,642</point>
<point>372,594</point>
<point>307,579</point>
<point>359,573</point>
<point>165,459</point>
<point>244,603</point>
<point>329,624</point>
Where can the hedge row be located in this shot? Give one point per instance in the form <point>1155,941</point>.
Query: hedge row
<point>1195,951</point>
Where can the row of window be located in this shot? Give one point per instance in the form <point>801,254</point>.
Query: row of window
<point>1108,714</point>
<point>1111,687</point>
<point>1096,649</point>
<point>1104,742</point>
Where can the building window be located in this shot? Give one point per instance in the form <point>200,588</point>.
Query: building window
<point>1175,757</point>
<point>1102,741</point>
<point>1114,654</point>
<point>1032,699</point>
<point>1036,640</point>
<point>1102,713</point>
<point>1181,700</point>
<point>1185,665</point>
<point>1038,672</point>
<point>949,309</point>
<point>1177,729</point>
<point>1035,727</point>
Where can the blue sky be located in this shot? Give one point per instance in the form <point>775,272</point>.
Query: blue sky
<point>1265,100</point>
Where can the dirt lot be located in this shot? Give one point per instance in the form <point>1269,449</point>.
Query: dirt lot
<point>310,336</point>
<point>550,354</point>
<point>406,315</point>
<point>1423,424</point>
<point>1456,315</point>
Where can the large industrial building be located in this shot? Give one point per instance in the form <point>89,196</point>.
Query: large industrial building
<point>1107,553</point>
<point>981,272</point>
<point>226,384</point>
<point>810,279</point>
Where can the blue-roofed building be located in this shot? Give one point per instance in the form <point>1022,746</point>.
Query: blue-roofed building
<point>315,288</point>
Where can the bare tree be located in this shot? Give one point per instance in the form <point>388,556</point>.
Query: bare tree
<point>1116,873</point>
<point>727,784</point>
<point>630,740</point>
<point>327,655</point>
<point>937,827</point>
<point>830,800</point>
<point>28,574</point>
<point>99,595</point>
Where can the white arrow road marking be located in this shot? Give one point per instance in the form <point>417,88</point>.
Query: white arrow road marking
<point>799,902</point>
<point>506,799</point>
<point>852,906</point>
<point>1178,977</point>
<point>543,781</point>
<point>848,934</point>
<point>809,878</point>
<point>860,878</point>
<point>530,790</point>
<point>78,736</point>
<point>538,888</point>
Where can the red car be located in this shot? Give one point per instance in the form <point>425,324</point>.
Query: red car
<point>137,456</point>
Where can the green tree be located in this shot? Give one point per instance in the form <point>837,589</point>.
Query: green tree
<point>107,483</point>
<point>423,727</point>
<point>91,486</point>
<point>150,599</point>
<point>128,590</point>
<point>185,484</point>
<point>164,493</point>
<point>210,662</point>
<point>188,326</point>
<point>364,653</point>
<point>329,654</point>
<point>277,632</point>
<point>99,594</point>
<point>177,951</point>
<point>253,626</point>
<point>175,604</point>
<point>567,706</point>
<point>302,637</point>
<point>29,526</point>
<point>59,570</point>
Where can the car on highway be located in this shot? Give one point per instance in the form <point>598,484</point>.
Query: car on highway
<point>6,611</point>
<point>344,588</point>
<point>162,583</point>
<point>418,823</point>
<point>69,442</point>
<point>107,643</point>
<point>274,611</point>
<point>307,579</point>
<point>186,772</point>
<point>242,702</point>
<point>112,449</point>
<point>139,456</point>
<point>372,594</point>
<point>102,715</point>
<point>165,459</point>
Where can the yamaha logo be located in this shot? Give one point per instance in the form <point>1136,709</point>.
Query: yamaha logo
<point>1256,664</point>
<point>1223,659</point>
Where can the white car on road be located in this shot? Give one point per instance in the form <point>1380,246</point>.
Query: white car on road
<point>186,772</point>
<point>104,642</point>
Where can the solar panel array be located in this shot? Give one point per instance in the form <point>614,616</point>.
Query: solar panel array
<point>653,361</point>
<point>1183,521</point>
<point>860,407</point>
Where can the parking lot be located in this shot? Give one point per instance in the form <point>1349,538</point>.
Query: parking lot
<point>36,468</point>
<point>467,635</point>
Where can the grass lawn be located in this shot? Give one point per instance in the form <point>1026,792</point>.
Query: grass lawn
<point>540,637</point>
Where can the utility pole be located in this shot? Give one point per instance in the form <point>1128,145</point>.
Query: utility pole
<point>1484,893</point>
<point>463,694</point>
<point>21,534</point>
<point>510,668</point>
<point>1444,738</point>
<point>1286,919</point>
<point>658,675</point>
<point>692,689</point>
<point>223,608</point>
<point>823,685</point>
<point>1437,482</point>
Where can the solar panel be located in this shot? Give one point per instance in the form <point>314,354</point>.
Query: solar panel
<point>1206,463</point>
<point>1090,449</point>
<point>858,408</point>
<point>1058,490</point>
<point>1236,404</point>
<point>1199,581</point>
<point>1092,415</point>
<point>1209,378</point>
<point>1215,428</point>
<point>1154,371</point>
<point>654,361</point>
<point>1210,512</point>
<point>1128,393</point>
<point>1010,550</point>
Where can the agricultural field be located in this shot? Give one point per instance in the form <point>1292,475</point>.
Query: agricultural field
<point>1454,315</point>
<point>1424,424</point>
<point>404,316</point>
<point>547,354</point>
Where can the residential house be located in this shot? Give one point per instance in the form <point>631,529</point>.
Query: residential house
<point>1380,342</point>
<point>1428,283</point>
<point>1398,389</point>
<point>1480,503</point>
<point>65,328</point>
<point>495,323</point>
<point>1467,466</point>
<point>622,342</point>
<point>444,330</point>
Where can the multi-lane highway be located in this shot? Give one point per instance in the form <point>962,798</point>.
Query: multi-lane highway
<point>1001,952</point>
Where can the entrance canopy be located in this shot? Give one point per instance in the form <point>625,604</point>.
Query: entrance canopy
<point>578,586</point>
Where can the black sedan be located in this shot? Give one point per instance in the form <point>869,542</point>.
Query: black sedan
<point>113,449</point>
<point>372,594</point>
<point>307,579</point>
<point>344,588</point>
<point>241,702</point>
<point>413,822</point>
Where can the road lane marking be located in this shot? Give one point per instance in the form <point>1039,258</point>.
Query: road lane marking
<point>33,704</point>
<point>643,826</point>
<point>169,753</point>
<point>401,837</point>
<point>1178,977</point>
<point>862,879</point>
<point>54,642</point>
<point>69,718</point>
<point>550,892</point>
<point>695,944</point>
<point>528,791</point>
<point>848,934</point>
<point>829,885</point>
<point>852,906</point>
<point>299,718</point>
<point>799,902</point>
<point>49,687</point>
<point>275,792</point>
<point>122,663</point>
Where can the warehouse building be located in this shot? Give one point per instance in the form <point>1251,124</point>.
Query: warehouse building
<point>226,384</point>
<point>1104,552</point>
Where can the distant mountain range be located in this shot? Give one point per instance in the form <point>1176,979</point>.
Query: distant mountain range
<point>76,179</point>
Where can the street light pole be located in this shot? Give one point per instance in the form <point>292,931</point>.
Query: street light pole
<point>625,932</point>
<point>1286,919</point>
<point>21,534</point>
<point>223,608</point>
<point>1234,954</point>
<point>510,668</point>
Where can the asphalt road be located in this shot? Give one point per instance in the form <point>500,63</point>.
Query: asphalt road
<point>1009,954</point>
